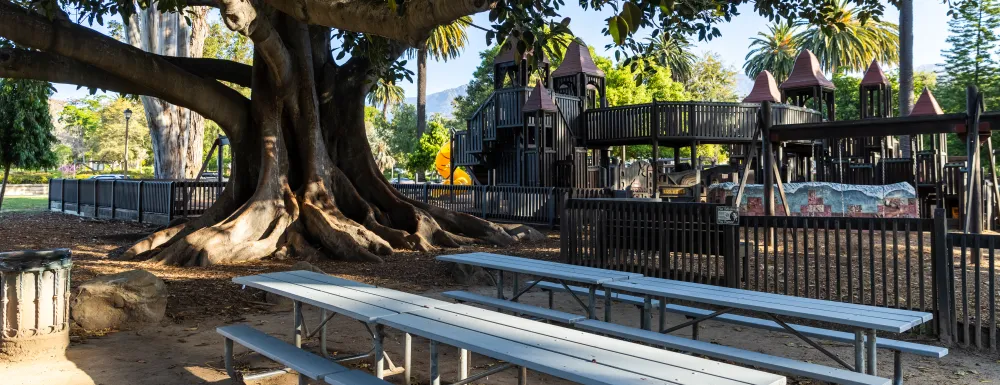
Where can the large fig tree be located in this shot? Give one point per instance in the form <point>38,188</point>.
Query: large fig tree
<point>303,175</point>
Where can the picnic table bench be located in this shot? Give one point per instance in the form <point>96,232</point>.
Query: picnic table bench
<point>562,352</point>
<point>863,319</point>
<point>562,273</point>
<point>361,302</point>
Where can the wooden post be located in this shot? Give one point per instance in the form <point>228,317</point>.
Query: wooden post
<point>942,268</point>
<point>655,128</point>
<point>974,192</point>
<point>765,124</point>
<point>696,164</point>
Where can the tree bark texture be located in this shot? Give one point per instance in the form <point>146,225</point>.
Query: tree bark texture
<point>304,182</point>
<point>421,99</point>
<point>3,187</point>
<point>176,133</point>
<point>905,67</point>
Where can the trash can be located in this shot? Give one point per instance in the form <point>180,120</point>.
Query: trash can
<point>34,304</point>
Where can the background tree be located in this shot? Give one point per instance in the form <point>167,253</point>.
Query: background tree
<point>711,80</point>
<point>906,88</point>
<point>99,123</point>
<point>848,103</point>
<point>26,137</point>
<point>970,60</point>
<point>387,94</point>
<point>303,175</point>
<point>177,134</point>
<point>847,40</point>
<point>774,50</point>
<point>445,42</point>
<point>673,53</point>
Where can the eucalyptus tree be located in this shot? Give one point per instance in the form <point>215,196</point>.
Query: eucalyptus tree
<point>303,174</point>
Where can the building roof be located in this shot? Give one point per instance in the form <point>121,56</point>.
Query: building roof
<point>577,60</point>
<point>806,73</point>
<point>765,88</point>
<point>874,76</point>
<point>509,52</point>
<point>539,100</point>
<point>926,104</point>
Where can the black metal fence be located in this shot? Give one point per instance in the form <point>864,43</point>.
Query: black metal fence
<point>532,205</point>
<point>903,263</point>
<point>147,201</point>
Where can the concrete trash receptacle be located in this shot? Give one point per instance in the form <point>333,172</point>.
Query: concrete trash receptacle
<point>34,304</point>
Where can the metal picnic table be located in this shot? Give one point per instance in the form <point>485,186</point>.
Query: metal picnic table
<point>863,319</point>
<point>590,277</point>
<point>359,301</point>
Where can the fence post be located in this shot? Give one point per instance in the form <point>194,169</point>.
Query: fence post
<point>113,202</point>
<point>942,266</point>
<point>426,198</point>
<point>552,207</point>
<point>78,209</point>
<point>483,199</point>
<point>138,200</point>
<point>48,207</point>
<point>62,195</point>
<point>731,255</point>
<point>170,200</point>
<point>97,200</point>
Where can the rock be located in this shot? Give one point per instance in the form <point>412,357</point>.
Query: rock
<point>283,303</point>
<point>119,301</point>
<point>468,275</point>
<point>523,233</point>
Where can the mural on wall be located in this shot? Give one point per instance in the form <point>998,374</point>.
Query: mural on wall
<point>823,199</point>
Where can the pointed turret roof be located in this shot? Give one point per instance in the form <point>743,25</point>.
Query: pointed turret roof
<point>926,104</point>
<point>577,60</point>
<point>539,100</point>
<point>806,73</point>
<point>874,76</point>
<point>765,88</point>
<point>508,53</point>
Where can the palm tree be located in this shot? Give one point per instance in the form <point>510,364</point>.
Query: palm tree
<point>844,42</point>
<point>386,93</point>
<point>905,66</point>
<point>673,53</point>
<point>445,42</point>
<point>774,50</point>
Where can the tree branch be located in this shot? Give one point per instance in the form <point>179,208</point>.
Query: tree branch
<point>24,64</point>
<point>242,17</point>
<point>412,27</point>
<point>209,98</point>
<point>219,69</point>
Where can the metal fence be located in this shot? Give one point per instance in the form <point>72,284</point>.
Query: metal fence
<point>147,201</point>
<point>907,263</point>
<point>532,205</point>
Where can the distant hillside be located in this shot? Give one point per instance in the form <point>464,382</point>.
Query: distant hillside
<point>440,102</point>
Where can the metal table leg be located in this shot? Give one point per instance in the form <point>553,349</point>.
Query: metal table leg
<point>517,286</point>
<point>435,374</point>
<point>607,305</point>
<point>463,364</point>
<point>297,329</point>
<point>522,376</point>
<point>897,372</point>
<point>859,351</point>
<point>663,313</point>
<point>872,351</point>
<point>647,311</point>
<point>592,305</point>
<point>379,336</point>
<point>408,360</point>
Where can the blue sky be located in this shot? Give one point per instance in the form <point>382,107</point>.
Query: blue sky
<point>929,35</point>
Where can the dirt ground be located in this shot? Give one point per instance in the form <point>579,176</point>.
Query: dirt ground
<point>184,348</point>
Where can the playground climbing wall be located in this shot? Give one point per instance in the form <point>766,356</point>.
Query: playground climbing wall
<point>823,199</point>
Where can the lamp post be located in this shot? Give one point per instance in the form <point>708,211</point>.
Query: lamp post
<point>128,116</point>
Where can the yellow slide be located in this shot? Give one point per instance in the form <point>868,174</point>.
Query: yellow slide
<point>443,165</point>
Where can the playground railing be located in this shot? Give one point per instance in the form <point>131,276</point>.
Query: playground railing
<point>147,201</point>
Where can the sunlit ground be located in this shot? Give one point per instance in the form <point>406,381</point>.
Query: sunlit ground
<point>12,204</point>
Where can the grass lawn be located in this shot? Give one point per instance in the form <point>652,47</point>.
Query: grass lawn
<point>11,204</point>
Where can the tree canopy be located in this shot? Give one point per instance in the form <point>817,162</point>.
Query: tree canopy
<point>26,137</point>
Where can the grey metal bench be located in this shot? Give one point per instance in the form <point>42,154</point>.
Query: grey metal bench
<point>779,364</point>
<point>515,307</point>
<point>305,363</point>
<point>895,346</point>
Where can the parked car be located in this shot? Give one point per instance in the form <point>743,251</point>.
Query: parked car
<point>402,180</point>
<point>211,177</point>
<point>109,177</point>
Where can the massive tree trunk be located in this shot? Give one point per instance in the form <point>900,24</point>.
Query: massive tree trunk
<point>304,180</point>
<point>905,67</point>
<point>176,133</point>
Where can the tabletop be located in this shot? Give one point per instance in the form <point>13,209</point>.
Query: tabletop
<point>357,300</point>
<point>581,274</point>
<point>567,353</point>
<point>861,316</point>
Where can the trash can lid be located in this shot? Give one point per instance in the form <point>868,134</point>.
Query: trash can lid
<point>34,260</point>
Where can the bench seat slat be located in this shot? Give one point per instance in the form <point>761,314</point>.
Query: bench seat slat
<point>780,364</point>
<point>534,311</point>
<point>833,335</point>
<point>353,377</point>
<point>301,361</point>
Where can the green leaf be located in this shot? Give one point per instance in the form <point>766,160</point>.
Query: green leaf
<point>616,29</point>
<point>634,16</point>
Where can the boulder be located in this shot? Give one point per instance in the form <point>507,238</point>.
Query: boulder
<point>119,301</point>
<point>523,233</point>
<point>283,303</point>
<point>468,275</point>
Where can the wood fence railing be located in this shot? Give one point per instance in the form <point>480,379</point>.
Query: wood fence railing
<point>890,262</point>
<point>147,201</point>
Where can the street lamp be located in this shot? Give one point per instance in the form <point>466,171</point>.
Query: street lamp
<point>128,116</point>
